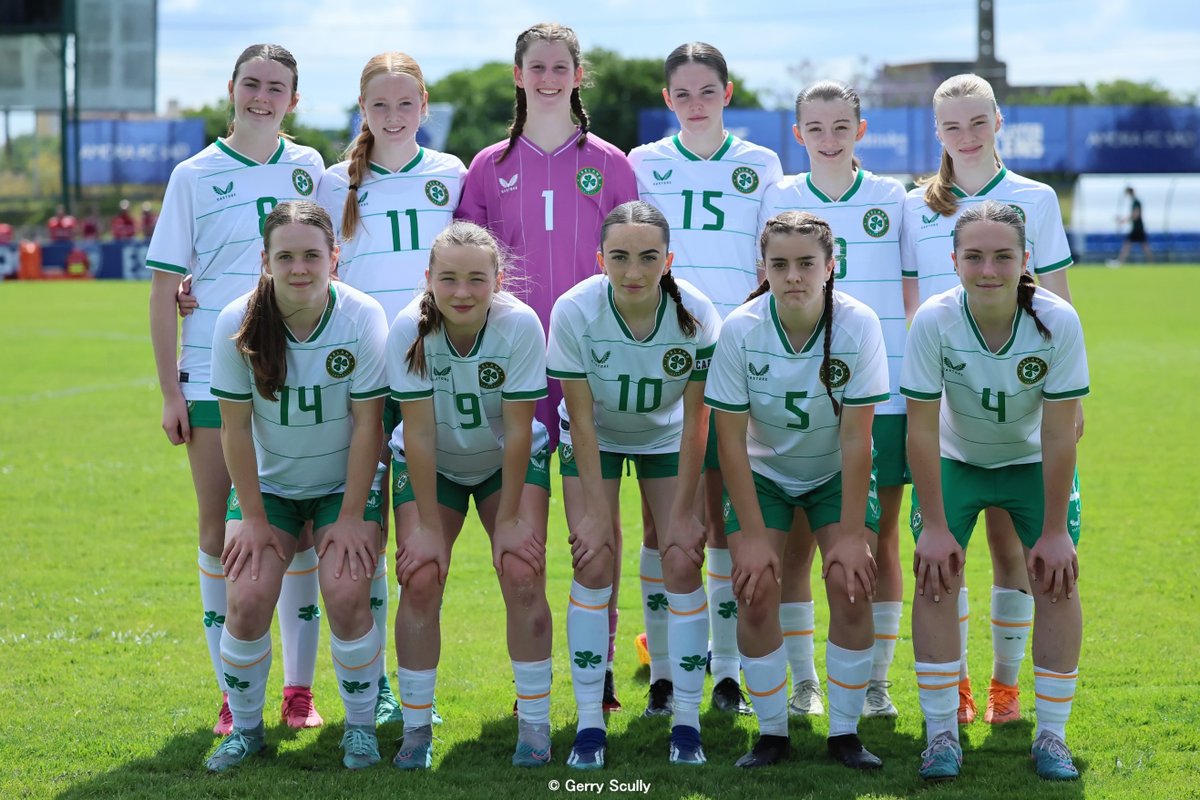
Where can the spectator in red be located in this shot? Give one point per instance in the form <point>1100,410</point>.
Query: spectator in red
<point>90,227</point>
<point>6,233</point>
<point>61,227</point>
<point>149,218</point>
<point>123,226</point>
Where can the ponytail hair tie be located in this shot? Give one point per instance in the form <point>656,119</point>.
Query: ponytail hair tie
<point>354,187</point>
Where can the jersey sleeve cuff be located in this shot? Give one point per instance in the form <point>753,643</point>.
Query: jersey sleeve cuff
<point>162,266</point>
<point>1070,394</point>
<point>866,401</point>
<point>406,396</point>
<point>1055,267</point>
<point>382,391</point>
<point>913,394</point>
<point>731,407</point>
<point>233,396</point>
<point>564,375</point>
<point>698,375</point>
<point>536,394</point>
<point>909,273</point>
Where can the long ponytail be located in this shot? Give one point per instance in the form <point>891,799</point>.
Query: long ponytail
<point>359,156</point>
<point>939,187</point>
<point>825,376</point>
<point>687,320</point>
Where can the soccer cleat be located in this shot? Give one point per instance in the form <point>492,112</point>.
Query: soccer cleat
<point>434,716</point>
<point>1052,758</point>
<point>642,646</point>
<point>849,752</point>
<point>727,696</point>
<point>966,702</point>
<point>360,748</point>
<point>416,750</point>
<point>526,755</point>
<point>240,744</point>
<point>942,760</point>
<point>806,700</point>
<point>1004,703</point>
<point>879,702</point>
<point>610,703</point>
<point>685,746</point>
<point>297,710</point>
<point>387,707</point>
<point>767,750</point>
<point>588,750</point>
<point>224,724</point>
<point>662,699</point>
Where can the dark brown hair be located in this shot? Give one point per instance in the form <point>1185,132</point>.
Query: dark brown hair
<point>267,52</point>
<point>830,90</point>
<point>699,53</point>
<point>546,32</point>
<point>262,337</point>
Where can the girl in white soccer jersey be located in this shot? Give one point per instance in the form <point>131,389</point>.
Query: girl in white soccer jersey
<point>388,201</point>
<point>467,362</point>
<point>632,348</point>
<point>794,381</point>
<point>993,373</point>
<point>298,366</point>
<point>545,190</point>
<point>709,184</point>
<point>210,230</point>
<point>864,211</point>
<point>967,121</point>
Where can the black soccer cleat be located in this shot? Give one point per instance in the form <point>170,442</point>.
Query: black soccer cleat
<point>848,750</point>
<point>767,750</point>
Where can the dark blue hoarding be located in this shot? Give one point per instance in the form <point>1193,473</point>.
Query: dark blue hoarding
<point>114,152</point>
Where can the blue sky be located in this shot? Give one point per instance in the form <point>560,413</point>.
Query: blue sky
<point>1043,42</point>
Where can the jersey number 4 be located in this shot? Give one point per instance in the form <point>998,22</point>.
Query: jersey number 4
<point>998,407</point>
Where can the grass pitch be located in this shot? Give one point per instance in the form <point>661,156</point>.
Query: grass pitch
<point>106,689</point>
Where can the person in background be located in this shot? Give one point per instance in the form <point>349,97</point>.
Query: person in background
<point>1137,230</point>
<point>61,227</point>
<point>123,226</point>
<point>149,218</point>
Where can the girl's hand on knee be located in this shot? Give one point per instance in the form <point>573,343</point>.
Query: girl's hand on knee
<point>246,544</point>
<point>351,542</point>
<point>936,560</point>
<point>755,561</point>
<point>1054,564</point>
<point>852,552</point>
<point>518,538</point>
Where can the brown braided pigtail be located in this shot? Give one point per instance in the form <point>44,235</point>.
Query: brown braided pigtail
<point>514,131</point>
<point>580,114</point>
<point>1025,289</point>
<point>429,322</point>
<point>837,410</point>
<point>687,321</point>
<point>763,288</point>
<point>358,156</point>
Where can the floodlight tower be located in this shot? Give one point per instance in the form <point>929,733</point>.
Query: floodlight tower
<point>987,66</point>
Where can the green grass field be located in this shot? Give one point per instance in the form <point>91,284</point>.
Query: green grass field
<point>106,689</point>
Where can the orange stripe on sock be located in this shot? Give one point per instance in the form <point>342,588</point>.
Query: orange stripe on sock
<point>575,602</point>
<point>1054,699</point>
<point>937,674</point>
<point>1000,624</point>
<point>245,666</point>
<point>964,619</point>
<point>416,708</point>
<point>851,687</point>
<point>533,696</point>
<point>689,613</point>
<point>798,633</point>
<point>936,686</point>
<point>219,576</point>
<point>1070,677</point>
<point>767,694</point>
<point>887,637</point>
<point>303,571</point>
<point>374,658</point>
<point>718,577</point>
<point>650,580</point>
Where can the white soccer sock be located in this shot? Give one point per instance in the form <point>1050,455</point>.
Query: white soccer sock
<point>796,620</point>
<point>416,695</point>
<point>1053,693</point>
<point>688,637</point>
<point>964,625</point>
<point>722,615</point>
<point>614,615</point>
<point>655,614</point>
<point>937,690</point>
<point>587,627</point>
<point>887,632</point>
<point>356,664</point>
<point>212,597</point>
<point>379,609</point>
<point>766,682</point>
<point>848,672</point>
<point>245,666</point>
<point>1012,618</point>
<point>533,691</point>
<point>300,619</point>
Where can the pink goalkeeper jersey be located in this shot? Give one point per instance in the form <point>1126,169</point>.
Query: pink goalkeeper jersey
<point>547,207</point>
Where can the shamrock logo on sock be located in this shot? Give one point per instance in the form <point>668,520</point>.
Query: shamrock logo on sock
<point>233,683</point>
<point>693,663</point>
<point>586,659</point>
<point>728,609</point>
<point>376,602</point>
<point>354,687</point>
<point>213,618</point>
<point>309,613</point>
<point>656,602</point>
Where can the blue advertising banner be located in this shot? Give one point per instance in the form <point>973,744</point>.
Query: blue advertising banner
<point>127,151</point>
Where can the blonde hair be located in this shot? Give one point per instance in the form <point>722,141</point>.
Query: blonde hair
<point>939,192</point>
<point>359,151</point>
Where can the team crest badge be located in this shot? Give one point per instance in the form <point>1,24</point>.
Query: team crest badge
<point>745,180</point>
<point>589,180</point>
<point>400,482</point>
<point>726,509</point>
<point>302,181</point>
<point>373,499</point>
<point>1019,210</point>
<point>437,193</point>
<point>234,504</point>
<point>1031,370</point>
<point>876,222</point>
<point>340,363</point>
<point>491,375</point>
<point>677,362</point>
<point>836,375</point>
<point>566,453</point>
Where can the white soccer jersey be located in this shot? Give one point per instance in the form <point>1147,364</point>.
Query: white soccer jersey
<point>400,213</point>
<point>302,439</point>
<point>866,229</point>
<point>793,436</point>
<point>712,205</point>
<point>508,362</point>
<point>637,386</point>
<point>991,413</point>
<point>211,227</point>
<point>926,237</point>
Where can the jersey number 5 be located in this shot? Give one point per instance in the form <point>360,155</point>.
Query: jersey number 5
<point>789,402</point>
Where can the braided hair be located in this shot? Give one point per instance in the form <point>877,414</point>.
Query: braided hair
<point>546,32</point>
<point>939,187</point>
<point>639,212</point>
<point>805,224</point>
<point>992,211</point>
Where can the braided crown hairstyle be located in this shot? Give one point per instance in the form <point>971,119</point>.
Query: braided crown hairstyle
<point>546,32</point>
